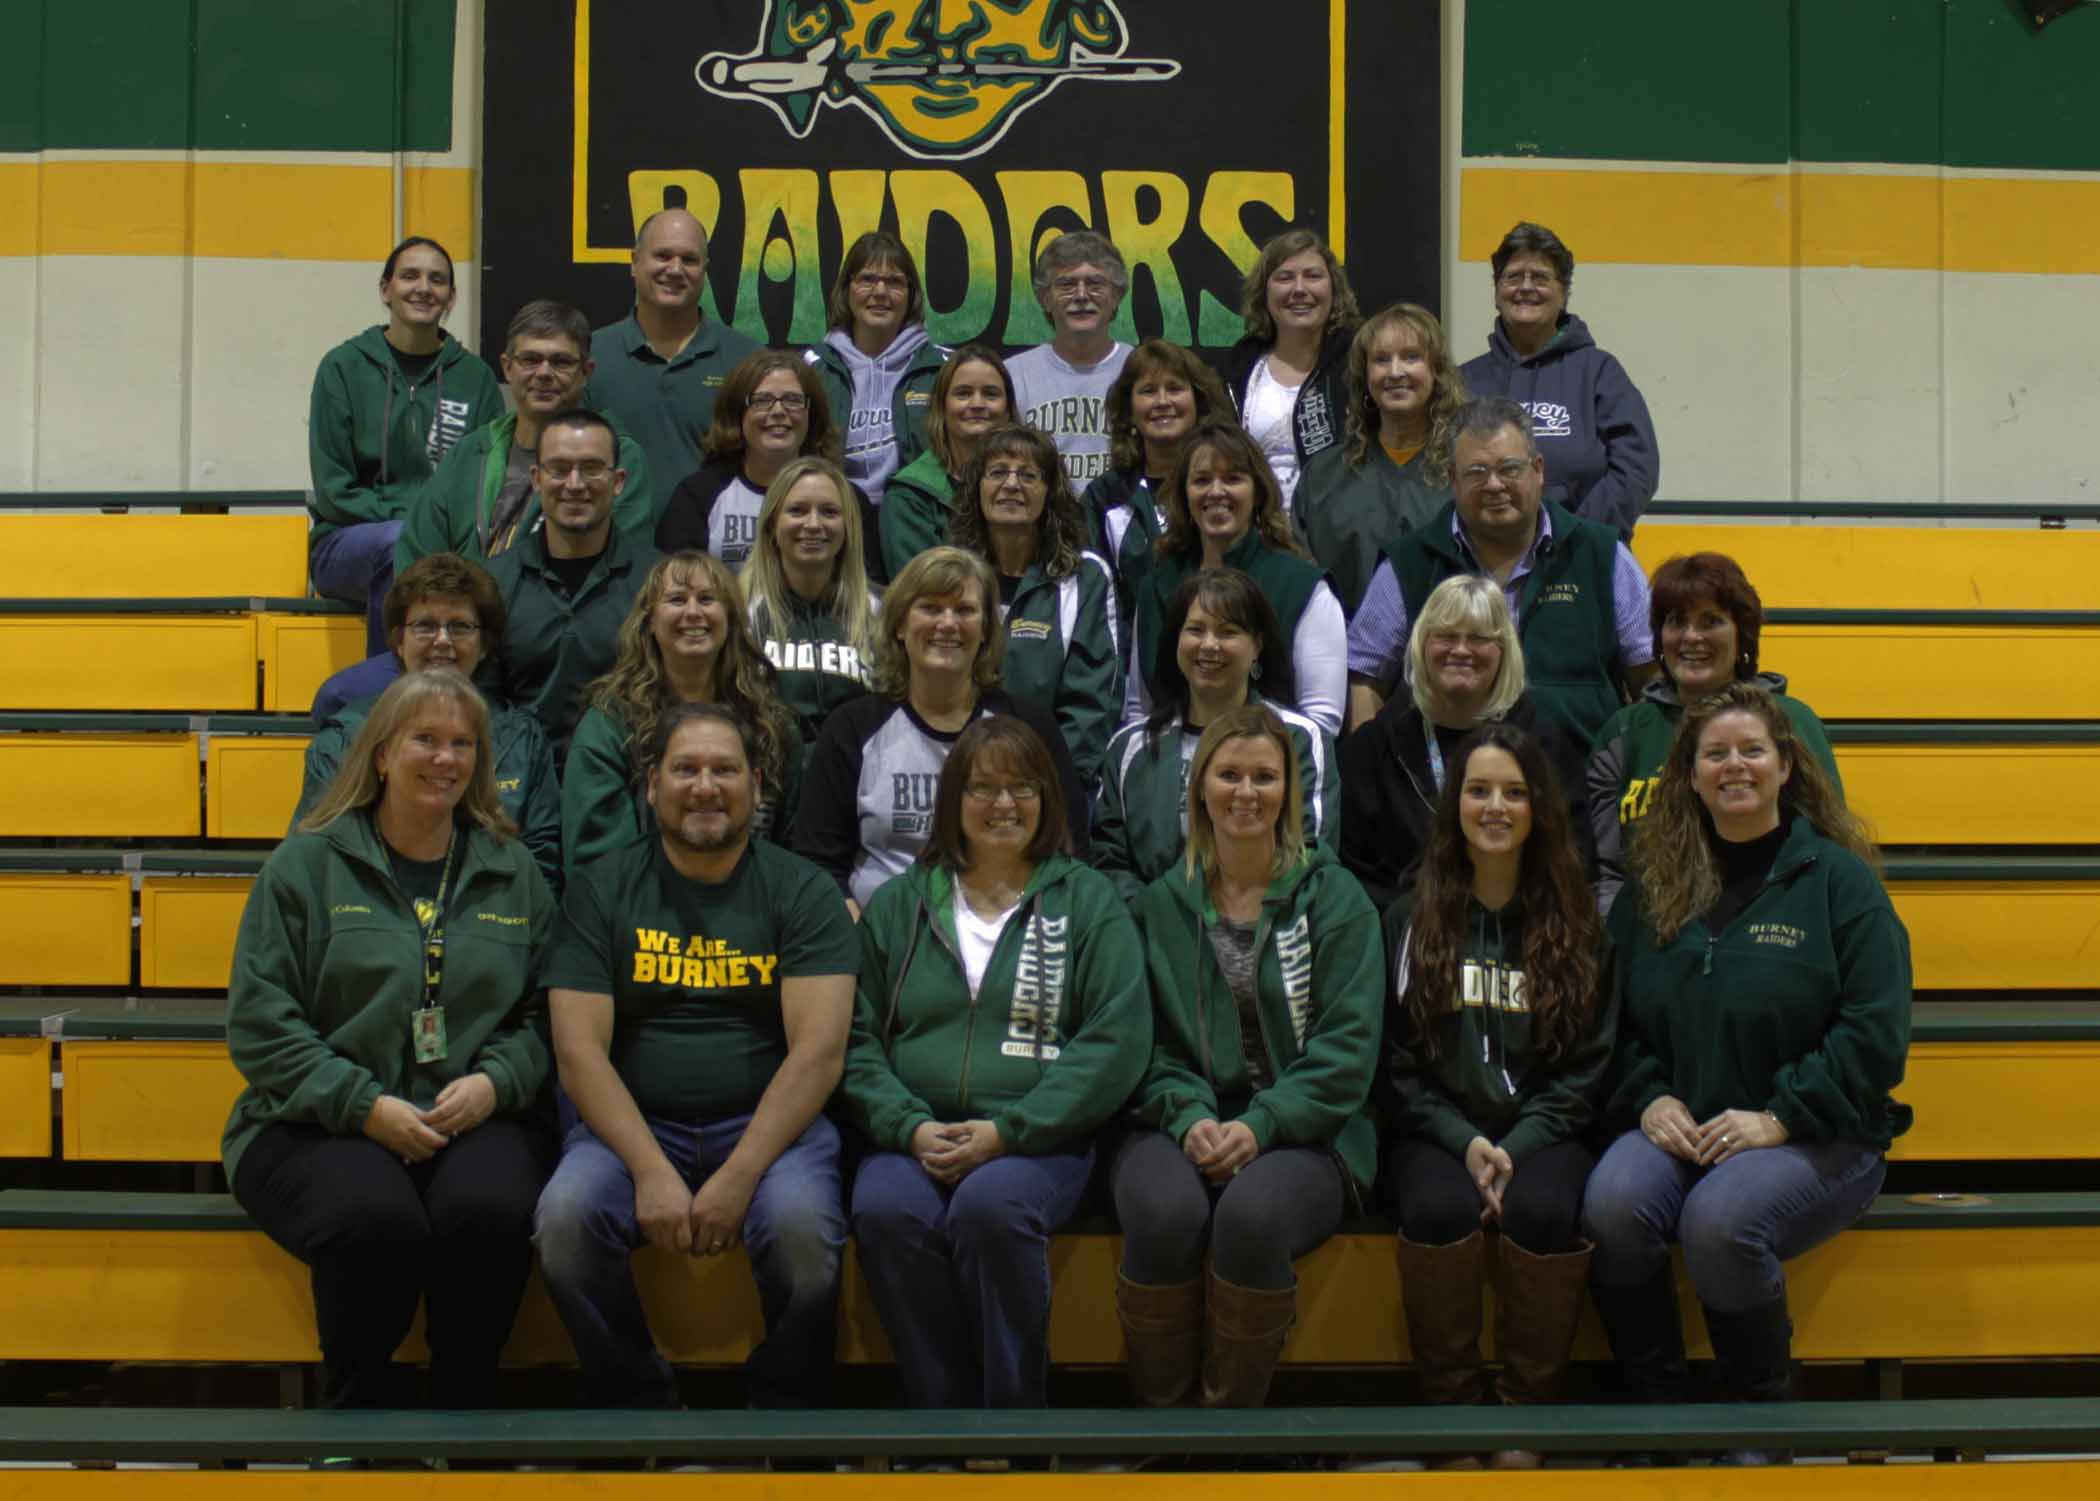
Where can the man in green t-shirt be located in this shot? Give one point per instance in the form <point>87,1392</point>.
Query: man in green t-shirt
<point>701,984</point>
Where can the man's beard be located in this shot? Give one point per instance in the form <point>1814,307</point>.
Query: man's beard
<point>732,833</point>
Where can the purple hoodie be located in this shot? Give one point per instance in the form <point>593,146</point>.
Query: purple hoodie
<point>1588,417</point>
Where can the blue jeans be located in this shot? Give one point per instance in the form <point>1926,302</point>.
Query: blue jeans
<point>961,1276</point>
<point>1737,1222</point>
<point>355,564</point>
<point>794,1232</point>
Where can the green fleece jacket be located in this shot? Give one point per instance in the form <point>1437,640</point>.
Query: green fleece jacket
<point>915,511</point>
<point>1800,1006</point>
<point>372,439</point>
<point>329,964</point>
<point>1320,991</point>
<point>453,509</point>
<point>604,803</point>
<point>1485,1074</point>
<point>1047,1050</point>
<point>1141,818</point>
<point>1062,651</point>
<point>525,778</point>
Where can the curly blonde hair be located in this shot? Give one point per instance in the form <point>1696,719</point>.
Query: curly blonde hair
<point>1671,856</point>
<point>637,691</point>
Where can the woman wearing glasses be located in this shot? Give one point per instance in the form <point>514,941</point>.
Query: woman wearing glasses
<point>771,409</point>
<point>1057,601</point>
<point>877,364</point>
<point>1002,1019</point>
<point>1587,415</point>
<point>446,612</point>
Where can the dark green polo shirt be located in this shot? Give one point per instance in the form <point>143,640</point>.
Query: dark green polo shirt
<point>666,405</point>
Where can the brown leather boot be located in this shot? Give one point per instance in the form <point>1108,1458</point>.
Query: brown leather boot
<point>1163,1330</point>
<point>1539,1302</point>
<point>1246,1329</point>
<point>1441,1288</point>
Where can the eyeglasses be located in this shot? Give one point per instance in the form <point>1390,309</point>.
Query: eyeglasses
<point>1528,279</point>
<point>590,471</point>
<point>427,631</point>
<point>991,792</point>
<point>869,281</point>
<point>765,401</point>
<point>1453,638</point>
<point>560,364</point>
<point>1068,287</point>
<point>1026,476</point>
<point>1509,471</point>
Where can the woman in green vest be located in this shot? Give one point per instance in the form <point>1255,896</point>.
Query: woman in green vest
<point>382,1009</point>
<point>1057,601</point>
<point>972,395</point>
<point>1224,511</point>
<point>686,641</point>
<point>1707,620</point>
<point>812,609</point>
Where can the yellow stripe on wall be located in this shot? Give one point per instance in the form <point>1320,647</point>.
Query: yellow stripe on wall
<point>217,209</point>
<point>2034,226</point>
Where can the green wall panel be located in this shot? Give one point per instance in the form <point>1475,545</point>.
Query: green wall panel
<point>1964,82</point>
<point>1639,80</point>
<point>267,75</point>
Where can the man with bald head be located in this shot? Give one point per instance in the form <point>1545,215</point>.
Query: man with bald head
<point>659,367</point>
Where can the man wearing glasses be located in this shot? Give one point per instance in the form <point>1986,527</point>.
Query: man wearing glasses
<point>481,501</point>
<point>570,581</point>
<point>1061,388</point>
<point>1579,599</point>
<point>658,369</point>
<point>444,612</point>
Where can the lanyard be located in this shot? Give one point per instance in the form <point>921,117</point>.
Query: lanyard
<point>432,922</point>
<point>1436,757</point>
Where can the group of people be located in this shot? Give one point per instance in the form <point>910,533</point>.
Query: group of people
<point>909,792</point>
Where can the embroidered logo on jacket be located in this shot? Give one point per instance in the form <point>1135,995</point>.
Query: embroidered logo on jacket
<point>1549,419</point>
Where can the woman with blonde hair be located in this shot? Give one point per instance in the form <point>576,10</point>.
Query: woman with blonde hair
<point>867,804</point>
<point>1266,970</point>
<point>686,641</point>
<point>382,1009</point>
<point>1764,990</point>
<point>1390,473</point>
<point>1224,510</point>
<point>1464,669</point>
<point>1288,376</point>
<point>807,587</point>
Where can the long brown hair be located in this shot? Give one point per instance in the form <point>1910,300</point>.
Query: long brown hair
<point>1365,420</point>
<point>996,737</point>
<point>1228,441</point>
<point>357,783</point>
<point>1152,359</point>
<point>1342,311</point>
<point>1560,912</point>
<point>637,691</point>
<point>1060,532</point>
<point>1671,858</point>
<point>938,439</point>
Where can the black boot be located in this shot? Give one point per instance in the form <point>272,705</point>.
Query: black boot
<point>1754,1349</point>
<point>1648,1342</point>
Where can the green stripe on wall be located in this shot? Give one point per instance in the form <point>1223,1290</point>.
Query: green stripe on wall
<point>1962,83</point>
<point>253,75</point>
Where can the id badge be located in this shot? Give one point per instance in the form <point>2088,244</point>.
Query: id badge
<point>428,1026</point>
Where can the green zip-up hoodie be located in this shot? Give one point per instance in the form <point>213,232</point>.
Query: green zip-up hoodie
<point>1141,817</point>
<point>1800,1006</point>
<point>1626,765</point>
<point>1079,677</point>
<point>1321,989</point>
<point>915,511</point>
<point>605,802</point>
<point>372,439</point>
<point>524,770</point>
<point>1486,1078</point>
<point>452,510</point>
<point>329,964</point>
<point>1049,1048</point>
<point>1347,513</point>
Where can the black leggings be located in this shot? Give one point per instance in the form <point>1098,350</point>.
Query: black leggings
<point>1282,1205</point>
<point>381,1236</point>
<point>1439,1205</point>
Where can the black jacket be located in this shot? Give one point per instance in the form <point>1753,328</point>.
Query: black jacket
<point>1323,401</point>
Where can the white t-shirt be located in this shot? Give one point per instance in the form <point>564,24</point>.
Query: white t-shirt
<point>1271,410</point>
<point>1068,405</point>
<point>977,937</point>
